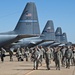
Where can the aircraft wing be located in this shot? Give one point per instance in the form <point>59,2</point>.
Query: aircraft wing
<point>26,36</point>
<point>8,39</point>
<point>21,36</point>
<point>35,44</point>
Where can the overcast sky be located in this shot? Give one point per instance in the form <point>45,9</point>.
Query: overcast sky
<point>62,12</point>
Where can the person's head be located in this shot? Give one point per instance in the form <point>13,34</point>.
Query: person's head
<point>18,48</point>
<point>73,48</point>
<point>47,48</point>
<point>69,47</point>
<point>40,46</point>
<point>36,46</point>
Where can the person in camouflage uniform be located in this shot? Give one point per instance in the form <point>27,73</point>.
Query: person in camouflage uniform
<point>11,54</point>
<point>35,55</point>
<point>47,58</point>
<point>68,55</point>
<point>63,60</point>
<point>57,57</point>
<point>74,56</point>
<point>3,51</point>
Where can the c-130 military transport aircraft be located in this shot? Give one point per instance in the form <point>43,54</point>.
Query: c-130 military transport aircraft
<point>27,26</point>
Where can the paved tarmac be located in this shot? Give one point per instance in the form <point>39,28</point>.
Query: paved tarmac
<point>26,68</point>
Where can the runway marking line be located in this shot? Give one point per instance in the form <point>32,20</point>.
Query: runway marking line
<point>33,70</point>
<point>29,72</point>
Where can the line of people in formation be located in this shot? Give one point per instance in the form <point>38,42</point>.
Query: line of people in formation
<point>60,55</point>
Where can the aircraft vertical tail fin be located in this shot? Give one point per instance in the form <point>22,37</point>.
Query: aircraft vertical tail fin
<point>58,34</point>
<point>28,22</point>
<point>48,32</point>
<point>64,38</point>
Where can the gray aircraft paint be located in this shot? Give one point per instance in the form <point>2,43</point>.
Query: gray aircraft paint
<point>28,22</point>
<point>47,35</point>
<point>58,34</point>
<point>64,38</point>
<point>61,39</point>
<point>27,26</point>
<point>48,32</point>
